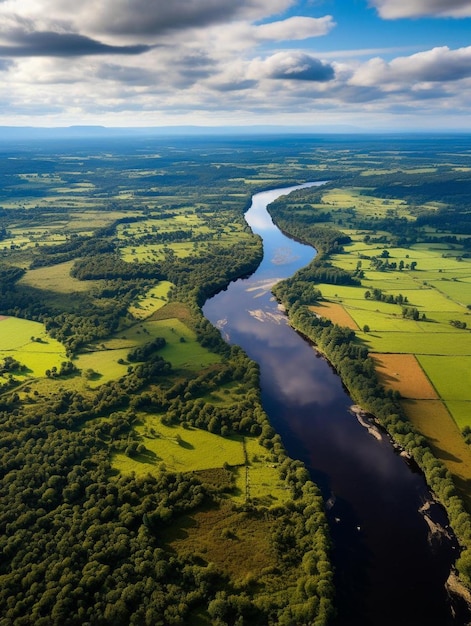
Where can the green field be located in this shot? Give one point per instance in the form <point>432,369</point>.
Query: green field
<point>181,350</point>
<point>180,449</point>
<point>450,375</point>
<point>56,278</point>
<point>151,301</point>
<point>192,449</point>
<point>28,343</point>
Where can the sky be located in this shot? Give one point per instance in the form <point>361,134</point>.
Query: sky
<point>366,64</point>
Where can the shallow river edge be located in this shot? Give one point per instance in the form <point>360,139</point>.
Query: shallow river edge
<point>443,490</point>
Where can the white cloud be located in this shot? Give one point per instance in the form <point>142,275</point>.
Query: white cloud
<point>295,28</point>
<point>393,9</point>
<point>436,65</point>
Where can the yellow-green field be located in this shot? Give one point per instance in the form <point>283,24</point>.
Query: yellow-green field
<point>366,205</point>
<point>59,229</point>
<point>191,449</point>
<point>202,229</point>
<point>450,375</point>
<point>28,343</point>
<point>181,350</point>
<point>56,278</point>
<point>180,449</point>
<point>260,479</point>
<point>152,301</point>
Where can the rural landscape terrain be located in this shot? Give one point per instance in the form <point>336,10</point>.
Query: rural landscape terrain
<point>142,481</point>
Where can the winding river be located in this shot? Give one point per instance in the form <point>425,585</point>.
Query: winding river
<point>390,569</point>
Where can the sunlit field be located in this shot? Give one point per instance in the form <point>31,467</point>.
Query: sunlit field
<point>28,343</point>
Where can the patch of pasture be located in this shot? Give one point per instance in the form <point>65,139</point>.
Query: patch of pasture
<point>430,343</point>
<point>433,420</point>
<point>461,412</point>
<point>91,220</point>
<point>365,205</point>
<point>431,300</point>
<point>153,252</point>
<point>394,282</point>
<point>151,301</point>
<point>56,278</point>
<point>180,449</point>
<point>260,479</point>
<point>442,322</point>
<point>28,343</point>
<point>346,262</point>
<point>459,290</point>
<point>102,366</point>
<point>440,264</point>
<point>341,293</point>
<point>181,350</point>
<point>379,321</point>
<point>450,375</point>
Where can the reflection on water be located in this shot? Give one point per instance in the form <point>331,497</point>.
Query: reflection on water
<point>387,573</point>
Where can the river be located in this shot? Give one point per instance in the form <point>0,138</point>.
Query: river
<point>389,570</point>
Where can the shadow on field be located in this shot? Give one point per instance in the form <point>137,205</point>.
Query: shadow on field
<point>445,454</point>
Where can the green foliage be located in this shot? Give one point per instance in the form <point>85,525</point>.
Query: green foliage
<point>141,353</point>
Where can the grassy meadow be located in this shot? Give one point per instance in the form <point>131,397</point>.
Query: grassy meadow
<point>180,449</point>
<point>28,343</point>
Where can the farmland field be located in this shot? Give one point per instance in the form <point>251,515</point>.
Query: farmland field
<point>403,373</point>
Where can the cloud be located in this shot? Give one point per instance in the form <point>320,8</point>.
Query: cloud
<point>295,28</point>
<point>393,9</point>
<point>54,44</point>
<point>5,65</point>
<point>144,17</point>
<point>293,66</point>
<point>436,65</point>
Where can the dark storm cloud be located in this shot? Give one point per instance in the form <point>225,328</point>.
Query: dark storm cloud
<point>51,44</point>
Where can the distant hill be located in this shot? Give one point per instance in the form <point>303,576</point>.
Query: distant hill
<point>25,133</point>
